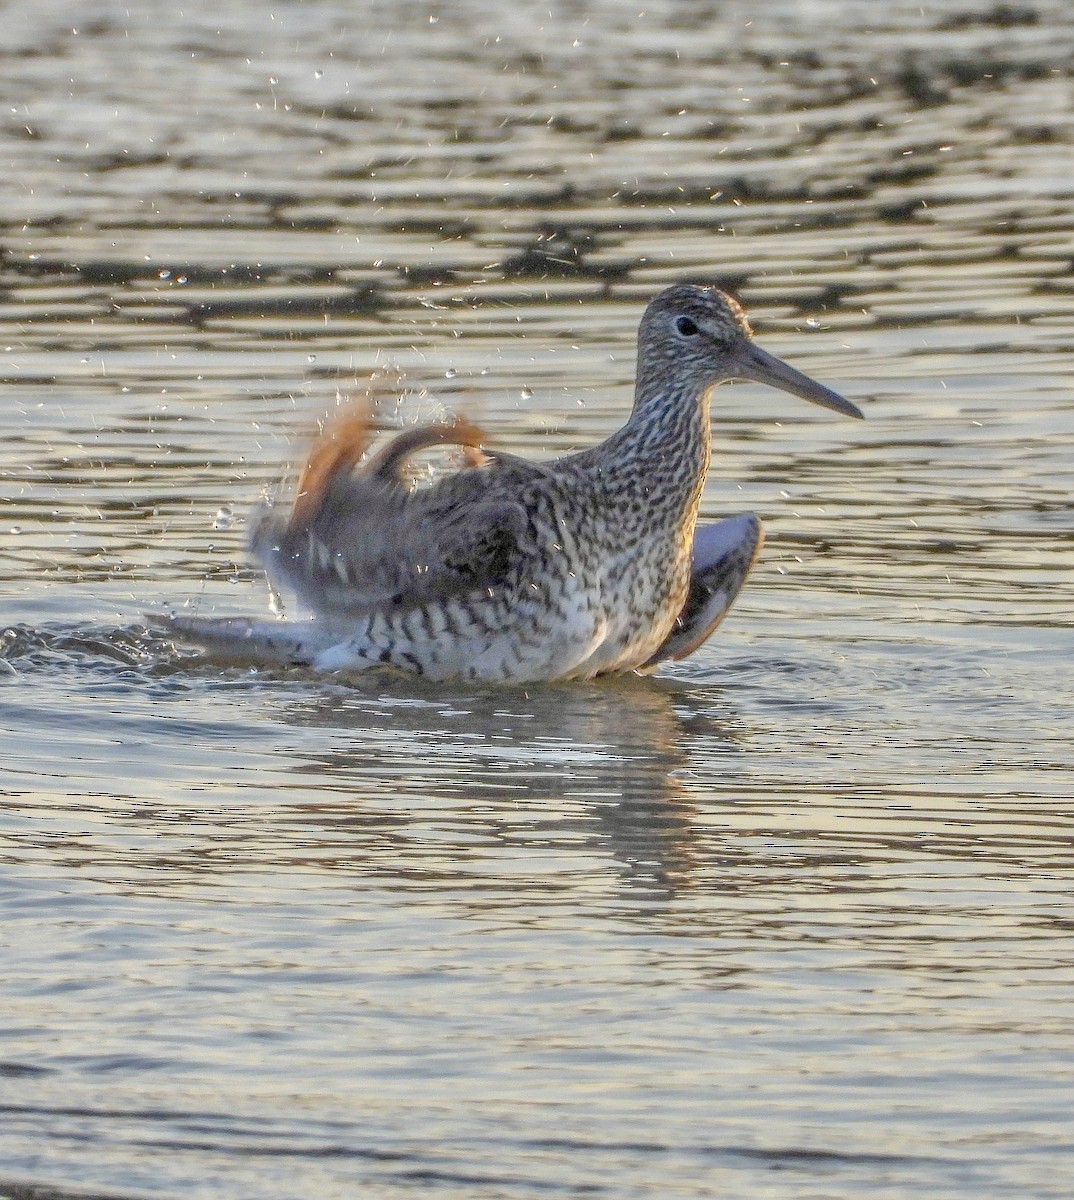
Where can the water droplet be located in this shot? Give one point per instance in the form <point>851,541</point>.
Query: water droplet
<point>318,74</point>
<point>312,358</point>
<point>527,393</point>
<point>16,530</point>
<point>273,79</point>
<point>450,373</point>
<point>164,274</point>
<point>224,517</point>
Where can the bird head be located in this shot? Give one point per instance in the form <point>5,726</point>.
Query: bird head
<point>700,336</point>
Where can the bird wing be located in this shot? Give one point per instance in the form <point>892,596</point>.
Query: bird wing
<point>722,557</point>
<point>242,640</point>
<point>358,537</point>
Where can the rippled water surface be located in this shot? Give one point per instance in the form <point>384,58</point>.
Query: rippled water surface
<point>792,918</point>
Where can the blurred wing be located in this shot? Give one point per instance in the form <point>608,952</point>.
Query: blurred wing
<point>242,640</point>
<point>358,538</point>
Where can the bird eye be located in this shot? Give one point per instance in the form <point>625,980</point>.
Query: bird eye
<point>686,326</point>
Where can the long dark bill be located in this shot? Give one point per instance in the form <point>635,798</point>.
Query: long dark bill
<point>754,363</point>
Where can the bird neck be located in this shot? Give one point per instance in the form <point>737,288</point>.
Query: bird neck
<point>660,456</point>
<point>668,427</point>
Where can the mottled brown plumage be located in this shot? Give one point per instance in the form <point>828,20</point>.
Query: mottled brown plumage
<point>511,570</point>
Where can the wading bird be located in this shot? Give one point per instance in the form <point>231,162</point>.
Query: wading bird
<point>514,571</point>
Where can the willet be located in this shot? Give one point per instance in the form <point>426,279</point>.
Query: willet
<point>515,571</point>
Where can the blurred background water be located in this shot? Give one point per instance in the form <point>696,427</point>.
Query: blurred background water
<point>793,917</point>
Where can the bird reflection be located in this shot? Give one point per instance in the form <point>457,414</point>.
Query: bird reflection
<point>607,765</point>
